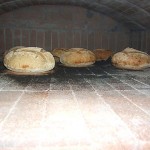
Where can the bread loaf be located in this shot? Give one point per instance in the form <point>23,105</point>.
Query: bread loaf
<point>102,54</point>
<point>131,59</point>
<point>77,57</point>
<point>29,59</point>
<point>57,52</point>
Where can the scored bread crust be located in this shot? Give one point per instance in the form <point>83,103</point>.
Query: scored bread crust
<point>131,59</point>
<point>78,57</point>
<point>12,49</point>
<point>102,54</point>
<point>29,59</point>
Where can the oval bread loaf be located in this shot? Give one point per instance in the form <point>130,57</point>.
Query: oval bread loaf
<point>102,54</point>
<point>29,59</point>
<point>131,59</point>
<point>78,57</point>
<point>57,52</point>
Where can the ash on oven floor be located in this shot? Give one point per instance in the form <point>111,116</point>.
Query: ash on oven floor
<point>98,107</point>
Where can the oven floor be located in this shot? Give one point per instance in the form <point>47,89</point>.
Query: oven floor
<point>92,108</point>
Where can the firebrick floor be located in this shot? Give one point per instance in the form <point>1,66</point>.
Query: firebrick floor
<point>92,108</point>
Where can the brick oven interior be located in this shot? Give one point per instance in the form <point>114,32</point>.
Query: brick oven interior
<point>98,107</point>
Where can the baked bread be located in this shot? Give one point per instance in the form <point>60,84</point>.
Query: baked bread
<point>29,59</point>
<point>131,59</point>
<point>57,52</point>
<point>102,54</point>
<point>77,57</point>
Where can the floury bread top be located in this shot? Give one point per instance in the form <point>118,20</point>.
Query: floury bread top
<point>29,59</point>
<point>131,59</point>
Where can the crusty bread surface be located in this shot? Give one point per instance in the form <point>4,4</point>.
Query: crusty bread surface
<point>102,54</point>
<point>57,52</point>
<point>131,59</point>
<point>29,59</point>
<point>78,57</point>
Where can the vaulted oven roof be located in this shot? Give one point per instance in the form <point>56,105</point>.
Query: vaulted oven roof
<point>135,14</point>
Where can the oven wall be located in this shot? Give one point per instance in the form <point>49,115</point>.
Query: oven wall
<point>141,40</point>
<point>53,26</point>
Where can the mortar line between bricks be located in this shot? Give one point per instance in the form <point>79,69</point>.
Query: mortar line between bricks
<point>116,115</point>
<point>127,98</point>
<point>126,84</point>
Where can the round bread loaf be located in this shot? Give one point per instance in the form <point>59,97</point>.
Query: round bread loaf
<point>102,54</point>
<point>29,59</point>
<point>131,59</point>
<point>77,57</point>
<point>57,52</point>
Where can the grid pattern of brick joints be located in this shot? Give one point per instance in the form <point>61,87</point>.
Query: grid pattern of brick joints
<point>95,107</point>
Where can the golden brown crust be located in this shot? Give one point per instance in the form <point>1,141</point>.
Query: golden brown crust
<point>102,54</point>
<point>78,57</point>
<point>29,59</point>
<point>131,59</point>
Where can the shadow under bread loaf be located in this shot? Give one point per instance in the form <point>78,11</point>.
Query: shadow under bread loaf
<point>78,57</point>
<point>29,59</point>
<point>131,59</point>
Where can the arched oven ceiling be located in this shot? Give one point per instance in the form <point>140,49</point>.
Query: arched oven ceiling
<point>134,14</point>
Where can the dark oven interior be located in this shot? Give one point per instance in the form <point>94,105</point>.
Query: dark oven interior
<point>98,107</point>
